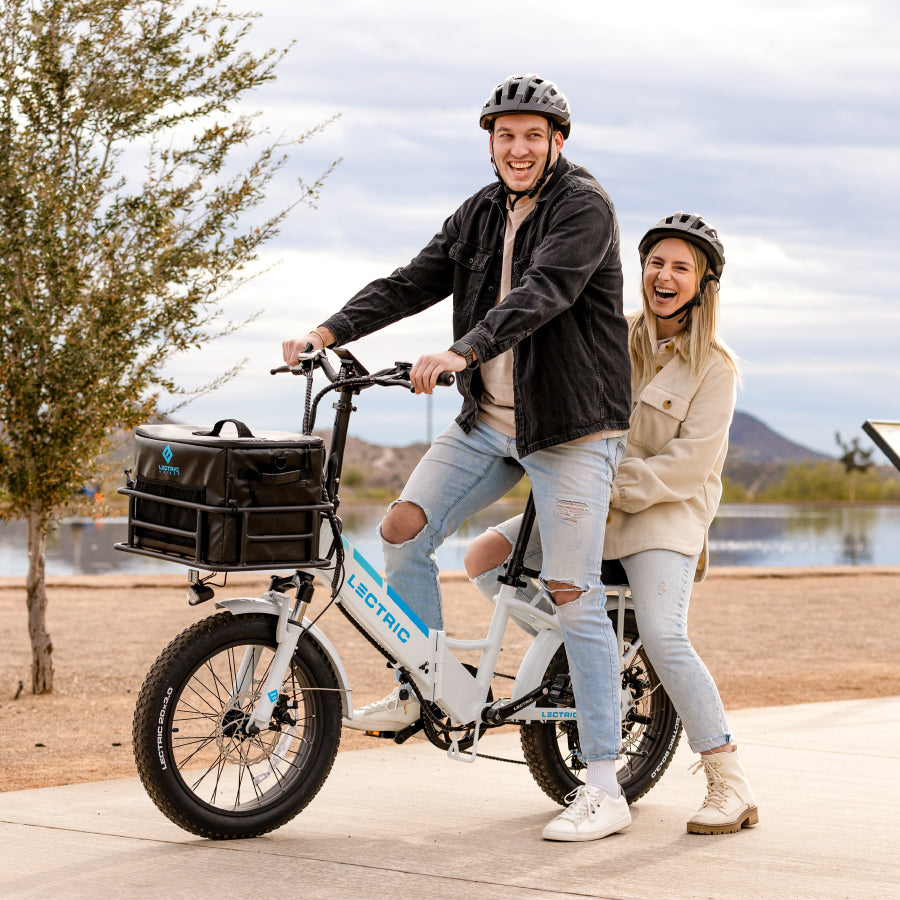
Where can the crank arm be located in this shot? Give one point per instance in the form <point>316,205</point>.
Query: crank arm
<point>497,715</point>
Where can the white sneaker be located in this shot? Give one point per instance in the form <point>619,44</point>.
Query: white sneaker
<point>591,814</point>
<point>389,714</point>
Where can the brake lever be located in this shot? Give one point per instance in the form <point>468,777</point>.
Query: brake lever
<point>445,379</point>
<point>306,361</point>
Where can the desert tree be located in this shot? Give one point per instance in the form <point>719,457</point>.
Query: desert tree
<point>854,460</point>
<point>133,185</point>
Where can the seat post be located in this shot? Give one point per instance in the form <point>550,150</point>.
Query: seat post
<point>516,564</point>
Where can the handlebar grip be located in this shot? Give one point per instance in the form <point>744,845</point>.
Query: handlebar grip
<point>446,379</point>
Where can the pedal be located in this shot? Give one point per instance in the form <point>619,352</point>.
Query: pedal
<point>406,733</point>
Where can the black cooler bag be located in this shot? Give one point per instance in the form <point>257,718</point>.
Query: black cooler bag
<point>225,501</point>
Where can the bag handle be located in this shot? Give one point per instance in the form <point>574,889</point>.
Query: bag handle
<point>288,476</point>
<point>242,430</point>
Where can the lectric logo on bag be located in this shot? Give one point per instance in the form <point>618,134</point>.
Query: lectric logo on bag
<point>167,455</point>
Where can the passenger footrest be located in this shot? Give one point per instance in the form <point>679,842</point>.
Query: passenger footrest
<point>561,693</point>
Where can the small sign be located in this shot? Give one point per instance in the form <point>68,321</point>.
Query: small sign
<point>887,437</point>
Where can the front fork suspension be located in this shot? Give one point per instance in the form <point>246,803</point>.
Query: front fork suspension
<point>288,631</point>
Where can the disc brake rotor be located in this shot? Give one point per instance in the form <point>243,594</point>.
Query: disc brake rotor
<point>234,743</point>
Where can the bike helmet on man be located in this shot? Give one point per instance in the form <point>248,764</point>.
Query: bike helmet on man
<point>533,95</point>
<point>688,227</point>
<point>527,94</point>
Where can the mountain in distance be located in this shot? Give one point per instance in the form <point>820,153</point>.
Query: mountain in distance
<point>752,440</point>
<point>758,456</point>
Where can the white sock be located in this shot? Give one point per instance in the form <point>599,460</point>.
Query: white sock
<point>601,773</point>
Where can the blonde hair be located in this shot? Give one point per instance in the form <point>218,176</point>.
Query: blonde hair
<point>698,341</point>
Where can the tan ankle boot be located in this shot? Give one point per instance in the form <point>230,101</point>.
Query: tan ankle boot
<point>729,804</point>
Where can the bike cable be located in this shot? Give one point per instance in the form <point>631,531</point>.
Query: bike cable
<point>308,401</point>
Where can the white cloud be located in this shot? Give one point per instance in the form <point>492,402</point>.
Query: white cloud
<point>778,120</point>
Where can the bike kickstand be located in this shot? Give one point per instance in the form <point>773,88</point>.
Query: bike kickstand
<point>467,756</point>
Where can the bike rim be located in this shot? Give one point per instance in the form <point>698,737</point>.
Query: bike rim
<point>643,695</point>
<point>216,761</point>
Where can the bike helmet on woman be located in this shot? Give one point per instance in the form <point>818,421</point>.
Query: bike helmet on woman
<point>688,227</point>
<point>527,94</point>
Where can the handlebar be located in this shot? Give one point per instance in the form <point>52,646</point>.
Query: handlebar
<point>353,377</point>
<point>397,375</point>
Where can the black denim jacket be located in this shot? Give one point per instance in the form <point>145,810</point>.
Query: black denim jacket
<point>563,315</point>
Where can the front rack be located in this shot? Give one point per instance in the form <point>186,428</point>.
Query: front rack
<point>191,546</point>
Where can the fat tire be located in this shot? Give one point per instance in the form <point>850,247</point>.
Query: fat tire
<point>173,688</point>
<point>549,748</point>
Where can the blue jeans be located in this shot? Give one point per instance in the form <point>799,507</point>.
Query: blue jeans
<point>464,473</point>
<point>661,582</point>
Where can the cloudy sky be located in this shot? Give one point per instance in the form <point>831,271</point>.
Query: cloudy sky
<point>777,120</point>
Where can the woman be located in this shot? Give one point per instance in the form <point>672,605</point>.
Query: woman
<point>667,491</point>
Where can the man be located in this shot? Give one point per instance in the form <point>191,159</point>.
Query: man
<point>540,352</point>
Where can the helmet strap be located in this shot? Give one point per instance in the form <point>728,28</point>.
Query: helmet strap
<point>685,311</point>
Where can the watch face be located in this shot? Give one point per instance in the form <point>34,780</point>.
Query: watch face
<point>465,351</point>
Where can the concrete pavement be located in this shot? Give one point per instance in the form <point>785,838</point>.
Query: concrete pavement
<point>408,822</point>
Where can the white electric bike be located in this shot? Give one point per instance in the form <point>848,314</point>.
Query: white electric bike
<point>238,722</point>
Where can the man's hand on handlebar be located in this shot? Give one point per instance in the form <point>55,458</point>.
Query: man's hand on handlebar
<point>424,374</point>
<point>290,350</point>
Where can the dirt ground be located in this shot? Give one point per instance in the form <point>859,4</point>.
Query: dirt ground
<point>769,636</point>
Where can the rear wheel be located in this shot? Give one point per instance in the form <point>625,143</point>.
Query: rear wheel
<point>650,729</point>
<point>193,752</point>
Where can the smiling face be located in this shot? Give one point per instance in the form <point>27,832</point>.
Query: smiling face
<point>519,145</point>
<point>670,280</point>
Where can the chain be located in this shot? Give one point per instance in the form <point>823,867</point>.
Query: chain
<point>518,762</point>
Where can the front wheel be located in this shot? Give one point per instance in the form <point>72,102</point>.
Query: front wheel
<point>194,756</point>
<point>650,729</point>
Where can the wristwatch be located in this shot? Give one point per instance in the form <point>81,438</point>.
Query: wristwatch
<point>466,351</point>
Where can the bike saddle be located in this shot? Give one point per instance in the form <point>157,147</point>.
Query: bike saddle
<point>613,572</point>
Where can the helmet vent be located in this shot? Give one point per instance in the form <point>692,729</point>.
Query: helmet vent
<point>527,94</point>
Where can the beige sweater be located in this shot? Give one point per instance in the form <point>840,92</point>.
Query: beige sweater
<point>669,482</point>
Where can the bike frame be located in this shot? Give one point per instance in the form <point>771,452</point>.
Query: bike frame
<point>424,656</point>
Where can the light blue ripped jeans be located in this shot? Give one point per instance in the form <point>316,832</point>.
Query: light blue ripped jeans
<point>464,473</point>
<point>661,583</point>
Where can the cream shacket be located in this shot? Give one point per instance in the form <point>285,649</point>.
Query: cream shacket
<point>669,482</point>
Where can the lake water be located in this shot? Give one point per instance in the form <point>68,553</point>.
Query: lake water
<point>742,535</point>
